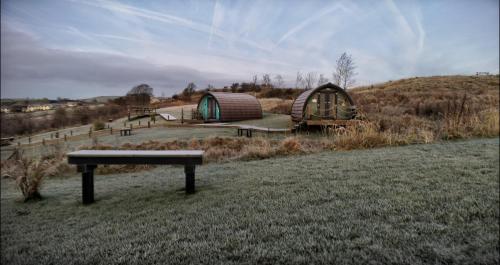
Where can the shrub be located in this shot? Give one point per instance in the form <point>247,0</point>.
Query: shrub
<point>30,173</point>
<point>282,108</point>
<point>98,125</point>
<point>291,145</point>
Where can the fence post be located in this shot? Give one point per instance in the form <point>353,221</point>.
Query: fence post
<point>182,116</point>
<point>65,138</point>
<point>139,123</point>
<point>29,139</point>
<point>149,124</point>
<point>131,126</point>
<point>110,130</point>
<point>71,132</point>
<point>51,136</point>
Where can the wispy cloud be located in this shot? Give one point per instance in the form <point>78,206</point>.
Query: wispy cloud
<point>413,38</point>
<point>307,22</point>
<point>217,17</point>
<point>175,20</point>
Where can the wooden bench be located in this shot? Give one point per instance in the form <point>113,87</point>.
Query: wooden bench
<point>125,131</point>
<point>248,131</point>
<point>87,161</point>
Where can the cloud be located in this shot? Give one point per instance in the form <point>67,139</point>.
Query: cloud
<point>307,22</point>
<point>177,21</point>
<point>217,17</point>
<point>31,70</point>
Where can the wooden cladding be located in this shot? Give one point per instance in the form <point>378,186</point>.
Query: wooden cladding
<point>235,106</point>
<point>324,100</point>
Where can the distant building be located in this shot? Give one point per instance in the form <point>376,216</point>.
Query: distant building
<point>5,109</point>
<point>37,107</point>
<point>18,108</point>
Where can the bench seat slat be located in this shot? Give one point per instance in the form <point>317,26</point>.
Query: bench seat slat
<point>137,153</point>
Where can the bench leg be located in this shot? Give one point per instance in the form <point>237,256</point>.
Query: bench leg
<point>189,170</point>
<point>88,184</point>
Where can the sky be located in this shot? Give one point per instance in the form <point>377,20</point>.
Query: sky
<point>80,49</point>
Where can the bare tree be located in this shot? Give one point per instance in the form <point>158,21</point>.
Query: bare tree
<point>266,80</point>
<point>279,81</point>
<point>60,117</point>
<point>322,80</point>
<point>344,73</point>
<point>189,90</point>
<point>310,80</point>
<point>299,81</point>
<point>254,81</point>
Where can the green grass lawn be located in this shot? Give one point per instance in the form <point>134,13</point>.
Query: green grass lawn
<point>421,204</point>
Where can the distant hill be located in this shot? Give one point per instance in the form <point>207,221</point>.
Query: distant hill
<point>449,83</point>
<point>409,94</point>
<point>101,99</point>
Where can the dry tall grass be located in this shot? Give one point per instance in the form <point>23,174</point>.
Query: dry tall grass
<point>425,109</point>
<point>276,105</point>
<point>29,173</point>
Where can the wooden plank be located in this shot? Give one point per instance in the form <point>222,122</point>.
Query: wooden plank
<point>136,153</point>
<point>167,117</point>
<point>332,122</point>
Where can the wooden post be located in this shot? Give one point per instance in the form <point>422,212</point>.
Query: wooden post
<point>65,138</point>
<point>51,136</point>
<point>129,115</point>
<point>189,171</point>
<point>88,184</point>
<point>182,116</point>
<point>110,130</point>
<point>139,123</point>
<point>71,132</point>
<point>149,124</point>
<point>131,126</point>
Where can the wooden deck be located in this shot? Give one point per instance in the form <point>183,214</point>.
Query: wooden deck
<point>245,127</point>
<point>168,117</point>
<point>332,122</point>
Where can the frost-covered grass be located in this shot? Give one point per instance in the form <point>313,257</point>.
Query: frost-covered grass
<point>419,204</point>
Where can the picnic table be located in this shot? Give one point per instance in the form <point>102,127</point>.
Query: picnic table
<point>125,131</point>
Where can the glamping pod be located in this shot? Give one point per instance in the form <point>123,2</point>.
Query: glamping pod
<point>325,105</point>
<point>222,107</point>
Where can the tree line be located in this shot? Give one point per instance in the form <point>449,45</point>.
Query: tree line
<point>343,76</point>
